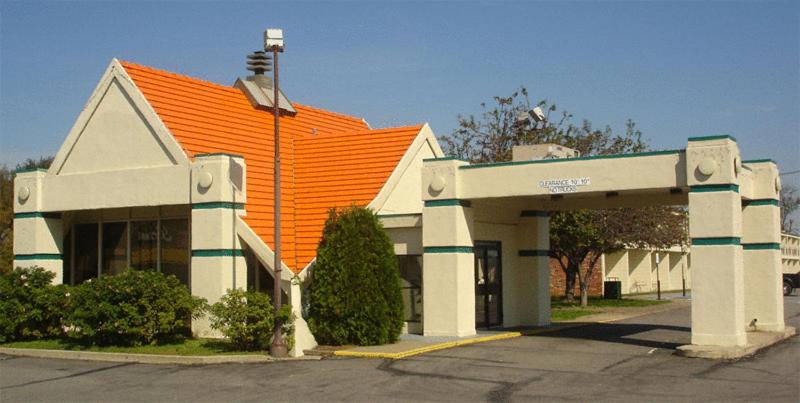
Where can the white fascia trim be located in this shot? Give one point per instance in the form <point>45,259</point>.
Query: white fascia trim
<point>115,72</point>
<point>263,252</point>
<point>425,136</point>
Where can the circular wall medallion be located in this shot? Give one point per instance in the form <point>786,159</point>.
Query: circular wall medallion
<point>778,184</point>
<point>23,194</point>
<point>737,165</point>
<point>438,183</point>
<point>205,180</point>
<point>707,166</point>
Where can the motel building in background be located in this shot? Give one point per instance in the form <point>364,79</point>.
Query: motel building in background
<point>171,173</point>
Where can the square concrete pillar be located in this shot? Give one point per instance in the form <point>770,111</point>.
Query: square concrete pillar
<point>218,263</point>
<point>715,227</point>
<point>38,235</point>
<point>761,237</point>
<point>531,302</point>
<point>448,269</point>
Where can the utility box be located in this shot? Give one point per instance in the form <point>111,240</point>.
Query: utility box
<point>612,289</point>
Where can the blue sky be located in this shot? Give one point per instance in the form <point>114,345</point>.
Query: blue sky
<point>679,69</point>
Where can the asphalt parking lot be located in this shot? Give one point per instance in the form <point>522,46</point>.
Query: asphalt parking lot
<point>630,360</point>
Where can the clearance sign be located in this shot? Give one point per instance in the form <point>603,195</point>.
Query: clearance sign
<point>569,185</point>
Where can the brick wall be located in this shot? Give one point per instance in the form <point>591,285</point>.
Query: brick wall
<point>557,280</point>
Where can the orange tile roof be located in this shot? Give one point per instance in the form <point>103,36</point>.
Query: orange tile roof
<point>327,159</point>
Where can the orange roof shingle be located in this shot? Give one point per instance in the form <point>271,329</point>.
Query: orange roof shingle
<point>328,159</point>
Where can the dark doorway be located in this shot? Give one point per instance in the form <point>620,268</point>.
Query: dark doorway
<point>488,285</point>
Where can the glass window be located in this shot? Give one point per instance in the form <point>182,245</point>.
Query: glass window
<point>85,258</point>
<point>175,249</point>
<point>115,248</point>
<point>67,248</point>
<point>144,245</point>
<point>411,283</point>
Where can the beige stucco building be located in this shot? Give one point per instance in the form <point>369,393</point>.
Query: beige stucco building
<point>171,173</point>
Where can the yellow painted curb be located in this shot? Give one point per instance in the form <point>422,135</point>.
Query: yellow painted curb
<point>420,350</point>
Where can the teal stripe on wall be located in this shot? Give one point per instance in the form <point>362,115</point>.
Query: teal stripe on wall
<point>758,161</point>
<point>762,246</point>
<point>36,214</point>
<point>559,160</point>
<point>760,202</point>
<point>533,253</point>
<point>716,241</point>
<point>448,249</point>
<point>716,137</point>
<point>447,202</point>
<point>213,205</point>
<point>38,256</point>
<point>216,252</point>
<point>534,213</point>
<point>714,188</point>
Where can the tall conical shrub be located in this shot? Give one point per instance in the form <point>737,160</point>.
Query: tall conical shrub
<point>355,295</point>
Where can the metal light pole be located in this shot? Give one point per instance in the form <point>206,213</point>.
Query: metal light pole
<point>273,41</point>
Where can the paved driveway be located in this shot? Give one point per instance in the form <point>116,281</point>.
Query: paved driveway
<point>626,361</point>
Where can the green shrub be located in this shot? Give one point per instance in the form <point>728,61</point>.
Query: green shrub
<point>132,308</point>
<point>31,306</point>
<point>247,319</point>
<point>355,295</point>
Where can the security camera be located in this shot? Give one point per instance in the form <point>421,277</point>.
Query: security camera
<point>536,114</point>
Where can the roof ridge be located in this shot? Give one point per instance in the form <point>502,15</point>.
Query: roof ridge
<point>338,114</point>
<point>126,64</point>
<point>365,131</point>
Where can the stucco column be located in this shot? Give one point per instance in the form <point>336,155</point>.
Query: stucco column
<point>218,196</point>
<point>761,237</point>
<point>448,268</point>
<point>38,235</point>
<point>715,227</point>
<point>532,302</point>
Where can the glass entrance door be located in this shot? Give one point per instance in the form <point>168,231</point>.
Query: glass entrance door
<point>488,285</point>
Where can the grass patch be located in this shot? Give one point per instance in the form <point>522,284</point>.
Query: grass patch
<point>187,347</point>
<point>563,311</point>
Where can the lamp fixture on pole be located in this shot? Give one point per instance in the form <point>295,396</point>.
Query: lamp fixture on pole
<point>273,42</point>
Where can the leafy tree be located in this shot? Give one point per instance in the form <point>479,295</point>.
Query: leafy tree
<point>789,202</point>
<point>581,236</point>
<point>7,208</point>
<point>355,295</point>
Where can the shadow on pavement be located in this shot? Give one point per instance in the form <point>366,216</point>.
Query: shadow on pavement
<point>657,336</point>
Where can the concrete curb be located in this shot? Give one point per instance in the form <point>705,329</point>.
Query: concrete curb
<point>146,358</point>
<point>426,349</point>
<point>756,341</point>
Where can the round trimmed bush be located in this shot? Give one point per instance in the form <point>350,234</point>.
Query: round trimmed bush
<point>355,295</point>
<point>31,307</point>
<point>247,319</point>
<point>132,308</point>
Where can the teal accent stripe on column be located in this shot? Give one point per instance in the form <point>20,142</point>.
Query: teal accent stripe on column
<point>216,252</point>
<point>36,214</point>
<point>448,202</point>
<point>762,246</point>
<point>448,249</point>
<point>38,256</point>
<point>534,213</point>
<point>714,188</point>
<point>760,202</point>
<point>213,205</point>
<point>716,137</point>
<point>533,252</point>
<point>716,241</point>
<point>26,170</point>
